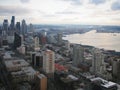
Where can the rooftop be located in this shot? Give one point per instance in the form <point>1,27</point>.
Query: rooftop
<point>7,55</point>
<point>16,63</point>
<point>104,83</point>
<point>69,78</point>
<point>25,71</point>
<point>40,76</point>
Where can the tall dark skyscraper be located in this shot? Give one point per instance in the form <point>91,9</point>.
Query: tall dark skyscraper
<point>24,27</point>
<point>12,25</point>
<point>17,40</point>
<point>18,27</point>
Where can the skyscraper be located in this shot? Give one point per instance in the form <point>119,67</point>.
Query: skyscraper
<point>78,55</point>
<point>48,61</point>
<point>5,27</point>
<point>18,27</point>
<point>17,41</point>
<point>98,64</point>
<point>24,27</point>
<point>39,60</point>
<point>12,25</point>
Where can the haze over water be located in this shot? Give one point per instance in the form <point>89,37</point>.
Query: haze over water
<point>108,41</point>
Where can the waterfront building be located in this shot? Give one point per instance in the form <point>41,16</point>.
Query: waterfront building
<point>78,55</point>
<point>98,64</point>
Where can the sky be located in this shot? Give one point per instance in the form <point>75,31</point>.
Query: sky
<point>92,12</point>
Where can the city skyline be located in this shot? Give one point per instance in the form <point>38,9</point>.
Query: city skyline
<point>92,12</point>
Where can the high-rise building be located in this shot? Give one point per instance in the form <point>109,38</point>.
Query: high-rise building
<point>59,38</point>
<point>24,27</point>
<point>12,25</point>
<point>98,64</point>
<point>78,55</point>
<point>43,37</point>
<point>38,60</point>
<point>31,28</point>
<point>67,44</point>
<point>36,44</point>
<point>116,69</point>
<point>5,27</point>
<point>48,61</point>
<point>18,27</point>
<point>17,40</point>
<point>33,58</point>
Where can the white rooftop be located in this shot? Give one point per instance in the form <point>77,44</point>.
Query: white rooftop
<point>105,83</point>
<point>72,77</point>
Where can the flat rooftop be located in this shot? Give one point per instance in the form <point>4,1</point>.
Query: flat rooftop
<point>40,76</point>
<point>104,83</point>
<point>16,63</point>
<point>69,78</point>
<point>25,71</point>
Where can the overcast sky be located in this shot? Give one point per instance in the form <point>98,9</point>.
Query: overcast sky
<point>100,12</point>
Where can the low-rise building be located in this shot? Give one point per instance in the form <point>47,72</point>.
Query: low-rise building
<point>15,65</point>
<point>25,74</point>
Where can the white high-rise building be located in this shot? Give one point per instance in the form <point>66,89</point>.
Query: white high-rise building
<point>98,64</point>
<point>78,55</point>
<point>48,61</point>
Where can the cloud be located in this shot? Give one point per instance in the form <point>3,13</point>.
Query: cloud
<point>74,2</point>
<point>67,12</point>
<point>16,10</point>
<point>25,1</point>
<point>116,5</point>
<point>97,1</point>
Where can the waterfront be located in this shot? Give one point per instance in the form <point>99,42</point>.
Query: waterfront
<point>109,41</point>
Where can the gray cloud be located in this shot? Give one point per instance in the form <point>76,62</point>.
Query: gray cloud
<point>97,1</point>
<point>25,1</point>
<point>116,5</point>
<point>16,10</point>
